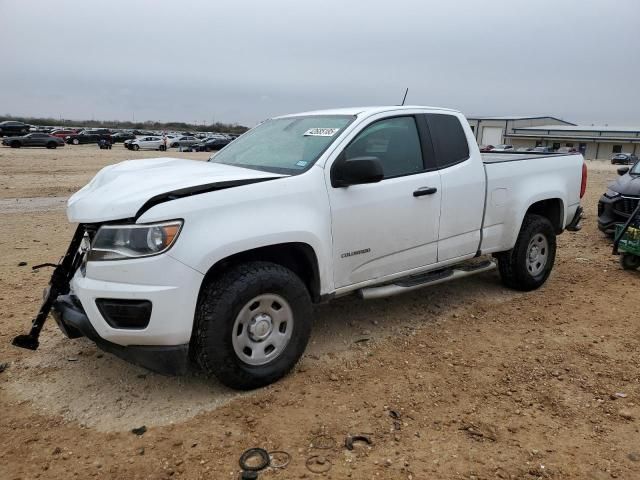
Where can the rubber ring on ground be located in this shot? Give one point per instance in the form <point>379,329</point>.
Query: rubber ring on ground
<point>351,439</point>
<point>260,453</point>
<point>282,464</point>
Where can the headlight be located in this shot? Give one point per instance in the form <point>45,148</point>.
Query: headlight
<point>611,193</point>
<point>119,242</point>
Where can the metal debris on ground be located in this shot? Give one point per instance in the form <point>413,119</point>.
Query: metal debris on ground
<point>351,439</point>
<point>480,431</point>
<point>139,431</point>
<point>323,442</point>
<point>279,459</point>
<point>318,464</point>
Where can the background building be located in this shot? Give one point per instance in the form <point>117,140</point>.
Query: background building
<point>531,131</point>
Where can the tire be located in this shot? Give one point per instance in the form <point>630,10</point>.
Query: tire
<point>75,141</point>
<point>629,262</point>
<point>52,145</point>
<point>173,145</point>
<point>162,148</point>
<point>15,144</point>
<point>225,309</point>
<point>136,147</point>
<point>529,263</point>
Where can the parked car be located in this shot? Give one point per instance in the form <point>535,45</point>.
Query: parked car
<point>148,143</point>
<point>221,261</point>
<point>541,150</point>
<point>502,148</point>
<point>62,133</point>
<point>623,159</point>
<point>210,144</point>
<point>89,136</point>
<point>122,136</point>
<point>34,140</point>
<point>184,141</point>
<point>567,150</point>
<point>12,128</point>
<point>620,200</point>
<point>486,148</point>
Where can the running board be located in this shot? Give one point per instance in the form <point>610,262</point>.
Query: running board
<point>414,282</point>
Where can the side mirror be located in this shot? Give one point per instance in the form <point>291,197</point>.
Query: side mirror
<point>623,170</point>
<point>356,171</point>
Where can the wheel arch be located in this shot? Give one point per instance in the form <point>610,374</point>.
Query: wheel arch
<point>298,257</point>
<point>550,208</point>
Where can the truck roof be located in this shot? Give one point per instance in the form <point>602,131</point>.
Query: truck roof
<point>366,110</point>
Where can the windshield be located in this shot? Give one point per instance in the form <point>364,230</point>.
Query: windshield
<point>635,170</point>
<point>284,145</point>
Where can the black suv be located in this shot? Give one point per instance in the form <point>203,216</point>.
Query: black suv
<point>624,159</point>
<point>620,200</point>
<point>13,129</point>
<point>89,136</point>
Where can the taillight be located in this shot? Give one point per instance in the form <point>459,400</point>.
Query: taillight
<point>583,185</point>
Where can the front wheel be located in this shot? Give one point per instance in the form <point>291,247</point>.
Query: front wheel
<point>136,147</point>
<point>15,144</point>
<point>252,324</point>
<point>529,263</point>
<point>75,141</point>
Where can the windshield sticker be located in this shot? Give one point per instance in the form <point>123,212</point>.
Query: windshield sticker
<point>301,163</point>
<point>321,132</point>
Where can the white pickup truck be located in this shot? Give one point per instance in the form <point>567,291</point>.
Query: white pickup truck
<point>220,262</point>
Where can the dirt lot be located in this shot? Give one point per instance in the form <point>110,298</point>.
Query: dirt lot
<point>465,380</point>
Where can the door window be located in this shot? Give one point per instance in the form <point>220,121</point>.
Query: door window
<point>394,141</point>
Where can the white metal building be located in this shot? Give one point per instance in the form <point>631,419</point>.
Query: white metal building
<point>530,131</point>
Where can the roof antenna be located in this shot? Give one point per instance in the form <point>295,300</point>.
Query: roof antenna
<point>405,96</point>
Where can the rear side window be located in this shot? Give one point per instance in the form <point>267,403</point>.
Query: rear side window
<point>449,141</point>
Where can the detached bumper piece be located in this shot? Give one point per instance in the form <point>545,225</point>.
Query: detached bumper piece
<point>74,323</point>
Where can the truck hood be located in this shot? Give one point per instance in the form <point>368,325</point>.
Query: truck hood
<point>627,185</point>
<point>125,189</point>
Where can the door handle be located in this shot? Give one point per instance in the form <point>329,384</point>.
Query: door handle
<point>425,191</point>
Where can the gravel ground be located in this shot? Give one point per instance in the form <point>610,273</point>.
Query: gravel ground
<point>461,380</point>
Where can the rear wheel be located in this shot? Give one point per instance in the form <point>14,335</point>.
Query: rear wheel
<point>529,263</point>
<point>252,324</point>
<point>629,262</point>
<point>52,145</point>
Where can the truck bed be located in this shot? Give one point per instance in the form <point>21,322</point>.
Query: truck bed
<point>498,157</point>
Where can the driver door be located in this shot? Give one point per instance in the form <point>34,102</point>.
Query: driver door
<point>385,228</point>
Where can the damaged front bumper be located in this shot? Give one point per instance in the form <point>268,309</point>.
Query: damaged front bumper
<point>146,320</point>
<point>74,323</point>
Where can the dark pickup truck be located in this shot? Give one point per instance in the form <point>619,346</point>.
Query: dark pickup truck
<point>89,136</point>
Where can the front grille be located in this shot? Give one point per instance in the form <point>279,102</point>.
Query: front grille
<point>625,205</point>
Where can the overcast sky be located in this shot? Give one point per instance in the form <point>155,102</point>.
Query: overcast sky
<point>243,61</point>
